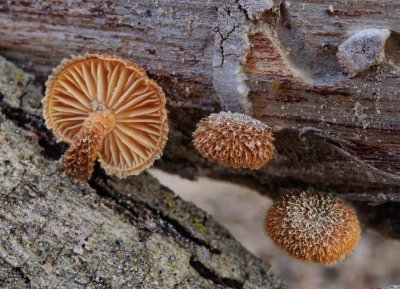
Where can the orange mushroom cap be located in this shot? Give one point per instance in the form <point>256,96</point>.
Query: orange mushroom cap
<point>234,140</point>
<point>313,226</point>
<point>135,107</point>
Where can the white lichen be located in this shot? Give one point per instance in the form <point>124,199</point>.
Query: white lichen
<point>360,117</point>
<point>255,9</point>
<point>362,50</point>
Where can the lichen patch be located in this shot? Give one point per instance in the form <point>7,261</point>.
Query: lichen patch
<point>362,50</point>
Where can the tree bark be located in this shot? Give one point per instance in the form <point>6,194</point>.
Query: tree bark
<point>274,60</point>
<point>271,59</point>
<point>58,232</point>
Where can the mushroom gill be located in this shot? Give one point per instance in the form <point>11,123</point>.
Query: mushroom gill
<point>105,107</point>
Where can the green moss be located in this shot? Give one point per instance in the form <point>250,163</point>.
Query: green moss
<point>135,270</point>
<point>170,203</point>
<point>27,155</point>
<point>20,77</point>
<point>198,224</point>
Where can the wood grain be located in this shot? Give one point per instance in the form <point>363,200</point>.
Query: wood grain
<point>332,131</point>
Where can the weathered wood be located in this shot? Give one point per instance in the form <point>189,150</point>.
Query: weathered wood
<point>288,58</point>
<point>57,232</point>
<point>273,59</point>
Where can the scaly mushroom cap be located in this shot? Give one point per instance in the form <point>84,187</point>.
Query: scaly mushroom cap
<point>313,226</point>
<point>234,140</point>
<point>84,84</point>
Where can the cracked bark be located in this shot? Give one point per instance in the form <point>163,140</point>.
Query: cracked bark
<point>61,233</point>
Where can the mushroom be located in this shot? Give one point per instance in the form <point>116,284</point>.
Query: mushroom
<point>105,107</point>
<point>234,140</point>
<point>313,226</point>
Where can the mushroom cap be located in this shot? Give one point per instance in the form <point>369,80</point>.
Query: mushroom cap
<point>92,82</point>
<point>234,140</point>
<point>313,226</point>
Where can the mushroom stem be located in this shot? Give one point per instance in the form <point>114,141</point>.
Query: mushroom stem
<point>78,160</point>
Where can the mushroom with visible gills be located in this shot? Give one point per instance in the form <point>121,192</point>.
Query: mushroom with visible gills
<point>234,140</point>
<point>105,107</point>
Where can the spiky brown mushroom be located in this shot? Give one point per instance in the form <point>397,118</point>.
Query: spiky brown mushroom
<point>105,107</point>
<point>313,226</point>
<point>234,140</point>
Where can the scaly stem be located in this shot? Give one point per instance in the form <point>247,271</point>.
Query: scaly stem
<point>79,159</point>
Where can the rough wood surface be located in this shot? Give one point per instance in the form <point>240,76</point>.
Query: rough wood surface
<point>273,59</point>
<point>60,233</point>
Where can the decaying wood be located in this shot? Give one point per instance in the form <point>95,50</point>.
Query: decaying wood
<point>57,232</point>
<point>275,60</point>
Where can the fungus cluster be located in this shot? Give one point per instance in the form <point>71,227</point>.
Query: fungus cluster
<point>313,226</point>
<point>234,140</point>
<point>105,107</point>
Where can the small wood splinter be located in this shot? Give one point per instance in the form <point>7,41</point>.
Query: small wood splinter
<point>105,107</point>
